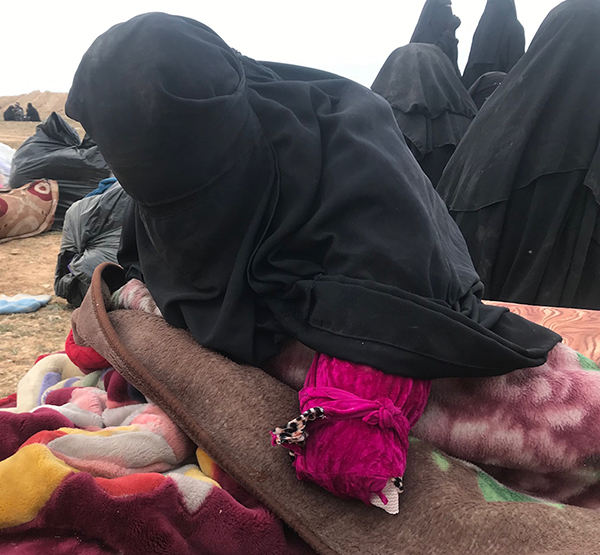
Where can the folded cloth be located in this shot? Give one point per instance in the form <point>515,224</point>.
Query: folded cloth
<point>22,303</point>
<point>359,418</point>
<point>84,357</point>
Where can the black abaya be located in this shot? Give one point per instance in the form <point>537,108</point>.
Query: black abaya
<point>498,42</point>
<point>431,105</point>
<point>524,185</point>
<point>275,202</point>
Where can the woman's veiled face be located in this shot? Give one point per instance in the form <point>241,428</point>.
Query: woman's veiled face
<point>444,8</point>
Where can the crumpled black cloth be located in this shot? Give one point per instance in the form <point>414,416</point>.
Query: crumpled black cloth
<point>281,201</point>
<point>432,107</point>
<point>517,182</point>
<point>498,42</point>
<point>432,28</point>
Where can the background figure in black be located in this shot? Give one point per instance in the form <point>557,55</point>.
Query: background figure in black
<point>9,113</point>
<point>498,42</point>
<point>485,86</point>
<point>431,105</point>
<point>32,113</point>
<point>524,184</point>
<point>437,25</point>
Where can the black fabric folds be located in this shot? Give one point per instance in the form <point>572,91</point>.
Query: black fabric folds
<point>498,42</point>
<point>435,26</point>
<point>431,105</point>
<point>524,184</point>
<point>275,201</point>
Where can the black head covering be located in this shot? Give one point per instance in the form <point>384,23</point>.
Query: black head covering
<point>433,21</point>
<point>485,86</point>
<point>433,28</point>
<point>498,42</point>
<point>543,121</point>
<point>431,105</point>
<point>268,206</point>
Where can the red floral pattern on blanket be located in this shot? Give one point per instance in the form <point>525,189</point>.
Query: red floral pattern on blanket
<point>28,210</point>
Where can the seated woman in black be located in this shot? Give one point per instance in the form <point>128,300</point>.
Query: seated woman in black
<point>274,202</point>
<point>32,113</point>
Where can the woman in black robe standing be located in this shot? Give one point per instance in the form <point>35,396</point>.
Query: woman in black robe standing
<point>437,25</point>
<point>431,105</point>
<point>498,42</point>
<point>524,185</point>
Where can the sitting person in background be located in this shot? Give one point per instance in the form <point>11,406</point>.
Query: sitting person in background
<point>18,111</point>
<point>14,113</point>
<point>431,105</point>
<point>32,114</point>
<point>9,113</point>
<point>524,184</point>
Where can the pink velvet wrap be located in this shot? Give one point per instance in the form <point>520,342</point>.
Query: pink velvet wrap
<point>361,441</point>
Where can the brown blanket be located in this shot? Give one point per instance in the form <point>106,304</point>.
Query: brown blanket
<point>449,507</point>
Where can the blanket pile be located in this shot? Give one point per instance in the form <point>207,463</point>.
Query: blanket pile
<point>94,458</point>
<point>94,465</point>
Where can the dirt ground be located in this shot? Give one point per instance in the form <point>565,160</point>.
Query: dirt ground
<point>27,266</point>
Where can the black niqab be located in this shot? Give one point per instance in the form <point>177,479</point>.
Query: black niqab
<point>524,184</point>
<point>270,206</point>
<point>498,42</point>
<point>432,28</point>
<point>485,86</point>
<point>431,105</point>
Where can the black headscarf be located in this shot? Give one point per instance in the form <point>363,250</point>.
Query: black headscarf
<point>431,105</point>
<point>485,86</point>
<point>433,28</point>
<point>284,202</point>
<point>543,122</point>
<point>498,42</point>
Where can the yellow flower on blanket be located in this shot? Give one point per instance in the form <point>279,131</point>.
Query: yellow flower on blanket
<point>27,481</point>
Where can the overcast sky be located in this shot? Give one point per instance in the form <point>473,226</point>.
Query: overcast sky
<point>45,40</point>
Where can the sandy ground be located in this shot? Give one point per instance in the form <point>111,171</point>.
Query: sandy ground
<point>27,266</point>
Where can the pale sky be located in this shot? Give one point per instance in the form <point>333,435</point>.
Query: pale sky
<point>44,41</point>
